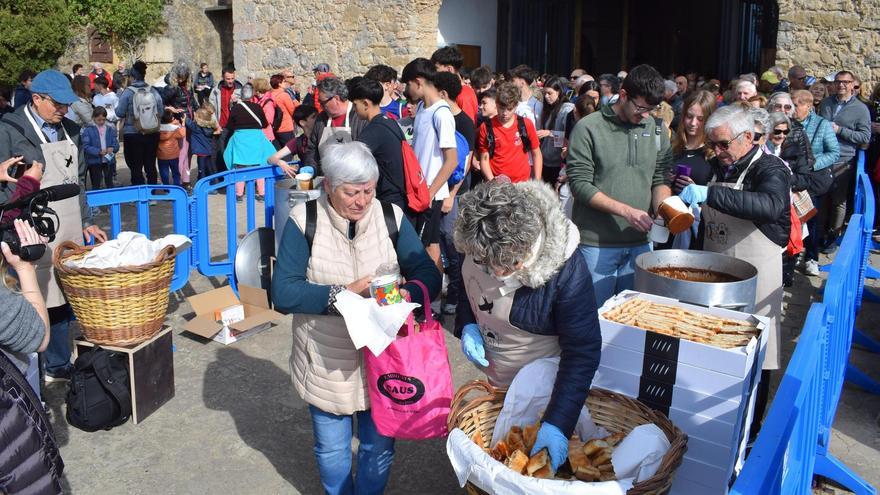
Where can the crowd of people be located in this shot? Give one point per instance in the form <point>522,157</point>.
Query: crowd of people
<point>533,194</point>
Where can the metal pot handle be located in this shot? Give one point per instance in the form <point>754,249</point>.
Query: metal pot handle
<point>731,306</point>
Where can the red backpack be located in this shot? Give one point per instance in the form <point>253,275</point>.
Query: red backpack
<point>417,196</point>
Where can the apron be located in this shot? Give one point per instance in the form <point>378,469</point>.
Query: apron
<point>731,236</point>
<point>61,161</point>
<point>337,135</point>
<point>508,348</point>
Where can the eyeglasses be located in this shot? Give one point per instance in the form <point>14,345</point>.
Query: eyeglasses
<point>641,109</point>
<point>781,106</point>
<point>724,145</point>
<point>57,105</point>
<point>843,81</point>
<point>781,132</point>
<point>324,102</point>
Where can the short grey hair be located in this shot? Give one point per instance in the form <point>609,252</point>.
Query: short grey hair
<point>780,97</point>
<point>746,84</point>
<point>735,118</point>
<point>348,163</point>
<point>777,118</point>
<point>670,86</point>
<point>179,70</point>
<point>331,87</point>
<point>497,225</point>
<point>760,117</point>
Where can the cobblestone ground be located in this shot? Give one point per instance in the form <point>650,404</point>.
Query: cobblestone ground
<point>235,424</point>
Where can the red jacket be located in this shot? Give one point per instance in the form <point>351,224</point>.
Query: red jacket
<point>107,77</point>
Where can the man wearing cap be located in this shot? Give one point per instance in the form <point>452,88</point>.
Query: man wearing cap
<point>39,132</point>
<point>321,71</point>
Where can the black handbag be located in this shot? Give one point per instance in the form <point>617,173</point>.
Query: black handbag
<point>98,395</point>
<point>821,181</point>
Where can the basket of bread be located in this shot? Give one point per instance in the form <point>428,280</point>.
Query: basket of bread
<point>475,411</point>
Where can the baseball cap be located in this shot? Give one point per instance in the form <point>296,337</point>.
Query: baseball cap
<point>830,77</point>
<point>55,85</point>
<point>770,77</point>
<point>321,68</point>
<point>810,80</point>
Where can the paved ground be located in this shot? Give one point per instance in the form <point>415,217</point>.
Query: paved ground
<point>236,426</point>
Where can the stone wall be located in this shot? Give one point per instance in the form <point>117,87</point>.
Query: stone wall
<point>829,35</point>
<point>349,35</point>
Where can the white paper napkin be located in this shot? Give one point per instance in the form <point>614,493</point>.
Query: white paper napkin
<point>129,249</point>
<point>370,325</point>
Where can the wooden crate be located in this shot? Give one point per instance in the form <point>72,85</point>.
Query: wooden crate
<point>150,371</point>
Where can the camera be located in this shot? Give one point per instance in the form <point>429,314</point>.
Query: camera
<point>34,209</point>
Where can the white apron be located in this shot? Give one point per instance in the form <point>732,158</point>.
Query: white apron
<point>743,240</point>
<point>508,348</point>
<point>61,167</point>
<point>337,135</point>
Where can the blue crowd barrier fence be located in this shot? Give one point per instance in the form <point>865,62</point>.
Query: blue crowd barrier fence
<point>191,216</point>
<point>793,444</point>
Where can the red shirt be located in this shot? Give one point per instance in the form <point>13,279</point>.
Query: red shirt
<point>467,101</point>
<point>225,98</point>
<point>509,158</point>
<point>338,121</point>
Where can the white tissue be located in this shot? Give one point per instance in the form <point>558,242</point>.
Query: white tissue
<point>129,249</point>
<point>370,325</point>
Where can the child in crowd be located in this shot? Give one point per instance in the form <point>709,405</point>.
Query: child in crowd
<point>100,145</point>
<point>168,152</point>
<point>304,118</point>
<point>202,130</point>
<point>505,142</point>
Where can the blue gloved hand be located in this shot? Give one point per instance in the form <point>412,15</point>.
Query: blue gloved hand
<point>694,194</point>
<point>307,170</point>
<point>472,344</point>
<point>552,439</point>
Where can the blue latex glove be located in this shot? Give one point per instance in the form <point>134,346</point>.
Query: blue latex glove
<point>307,170</point>
<point>694,194</point>
<point>552,439</point>
<point>472,345</point>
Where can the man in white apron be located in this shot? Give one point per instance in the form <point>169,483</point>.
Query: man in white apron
<point>39,132</point>
<point>337,123</point>
<point>745,214</point>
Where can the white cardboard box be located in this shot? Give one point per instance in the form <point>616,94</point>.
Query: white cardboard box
<point>257,314</point>
<point>707,391</point>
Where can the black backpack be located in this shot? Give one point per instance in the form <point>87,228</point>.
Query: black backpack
<point>521,127</point>
<point>98,396</point>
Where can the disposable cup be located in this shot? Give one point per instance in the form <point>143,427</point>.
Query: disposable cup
<point>677,215</point>
<point>305,181</point>
<point>385,290</point>
<point>659,233</point>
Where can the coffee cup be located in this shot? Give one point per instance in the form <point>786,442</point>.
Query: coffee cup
<point>304,180</point>
<point>659,233</point>
<point>677,215</point>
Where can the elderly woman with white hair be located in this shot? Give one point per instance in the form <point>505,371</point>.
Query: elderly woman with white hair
<point>331,244</point>
<point>745,214</point>
<point>796,149</point>
<point>527,294</point>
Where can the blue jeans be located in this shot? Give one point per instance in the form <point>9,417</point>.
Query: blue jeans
<point>612,268</point>
<point>333,451</point>
<point>57,354</point>
<point>172,166</point>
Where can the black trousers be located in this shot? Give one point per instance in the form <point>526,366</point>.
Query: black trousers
<point>101,176</point>
<point>140,156</point>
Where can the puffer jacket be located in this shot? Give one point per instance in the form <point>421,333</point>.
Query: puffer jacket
<point>798,153</point>
<point>826,149</point>
<point>29,458</point>
<point>556,299</point>
<point>764,199</point>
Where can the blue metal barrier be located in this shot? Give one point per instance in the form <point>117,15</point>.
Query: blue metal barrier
<point>141,196</point>
<point>200,215</point>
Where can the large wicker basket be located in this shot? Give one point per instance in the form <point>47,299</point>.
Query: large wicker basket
<point>613,411</point>
<point>116,306</point>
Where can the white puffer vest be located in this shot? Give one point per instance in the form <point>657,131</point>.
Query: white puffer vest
<point>327,371</point>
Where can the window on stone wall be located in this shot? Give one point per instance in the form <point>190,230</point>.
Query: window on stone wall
<point>99,49</point>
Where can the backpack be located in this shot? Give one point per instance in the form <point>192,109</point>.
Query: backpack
<point>145,113</point>
<point>312,222</point>
<point>462,149</point>
<point>98,396</point>
<point>417,196</point>
<point>523,133</point>
<point>277,117</point>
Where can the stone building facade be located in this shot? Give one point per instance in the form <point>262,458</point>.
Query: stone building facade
<point>349,35</point>
<point>828,35</point>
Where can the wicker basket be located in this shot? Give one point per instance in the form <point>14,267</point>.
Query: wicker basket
<point>613,411</point>
<point>116,306</point>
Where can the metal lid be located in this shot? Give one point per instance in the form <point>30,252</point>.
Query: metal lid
<point>255,257</point>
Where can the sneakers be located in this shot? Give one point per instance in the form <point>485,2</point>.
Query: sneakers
<point>811,268</point>
<point>58,376</point>
<point>449,309</point>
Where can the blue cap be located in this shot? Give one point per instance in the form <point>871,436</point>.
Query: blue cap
<point>321,68</point>
<point>55,85</point>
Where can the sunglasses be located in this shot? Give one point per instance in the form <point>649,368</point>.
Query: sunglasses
<point>781,132</point>
<point>723,145</point>
<point>758,136</point>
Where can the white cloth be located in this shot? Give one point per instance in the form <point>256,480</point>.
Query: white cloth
<point>370,325</point>
<point>129,249</point>
<point>428,145</point>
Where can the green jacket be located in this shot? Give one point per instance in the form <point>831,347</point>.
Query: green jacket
<point>623,161</point>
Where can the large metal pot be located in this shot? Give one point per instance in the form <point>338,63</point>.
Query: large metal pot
<point>738,295</point>
<point>286,197</point>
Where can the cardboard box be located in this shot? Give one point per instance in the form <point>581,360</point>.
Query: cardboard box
<point>258,316</point>
<point>709,392</point>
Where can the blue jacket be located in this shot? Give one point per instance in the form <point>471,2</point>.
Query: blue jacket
<point>826,149</point>
<point>91,142</point>
<point>22,95</point>
<point>201,139</point>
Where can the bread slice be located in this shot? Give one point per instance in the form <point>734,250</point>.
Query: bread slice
<point>538,461</point>
<point>576,456</point>
<point>530,434</point>
<point>587,473</point>
<point>594,446</point>
<point>545,472</point>
<point>518,461</point>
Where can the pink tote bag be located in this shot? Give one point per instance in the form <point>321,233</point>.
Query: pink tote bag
<point>410,383</point>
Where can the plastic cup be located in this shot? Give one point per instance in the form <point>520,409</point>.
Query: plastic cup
<point>677,215</point>
<point>305,181</point>
<point>659,233</point>
<point>385,289</point>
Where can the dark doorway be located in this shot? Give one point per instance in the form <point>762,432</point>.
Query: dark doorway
<point>221,17</point>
